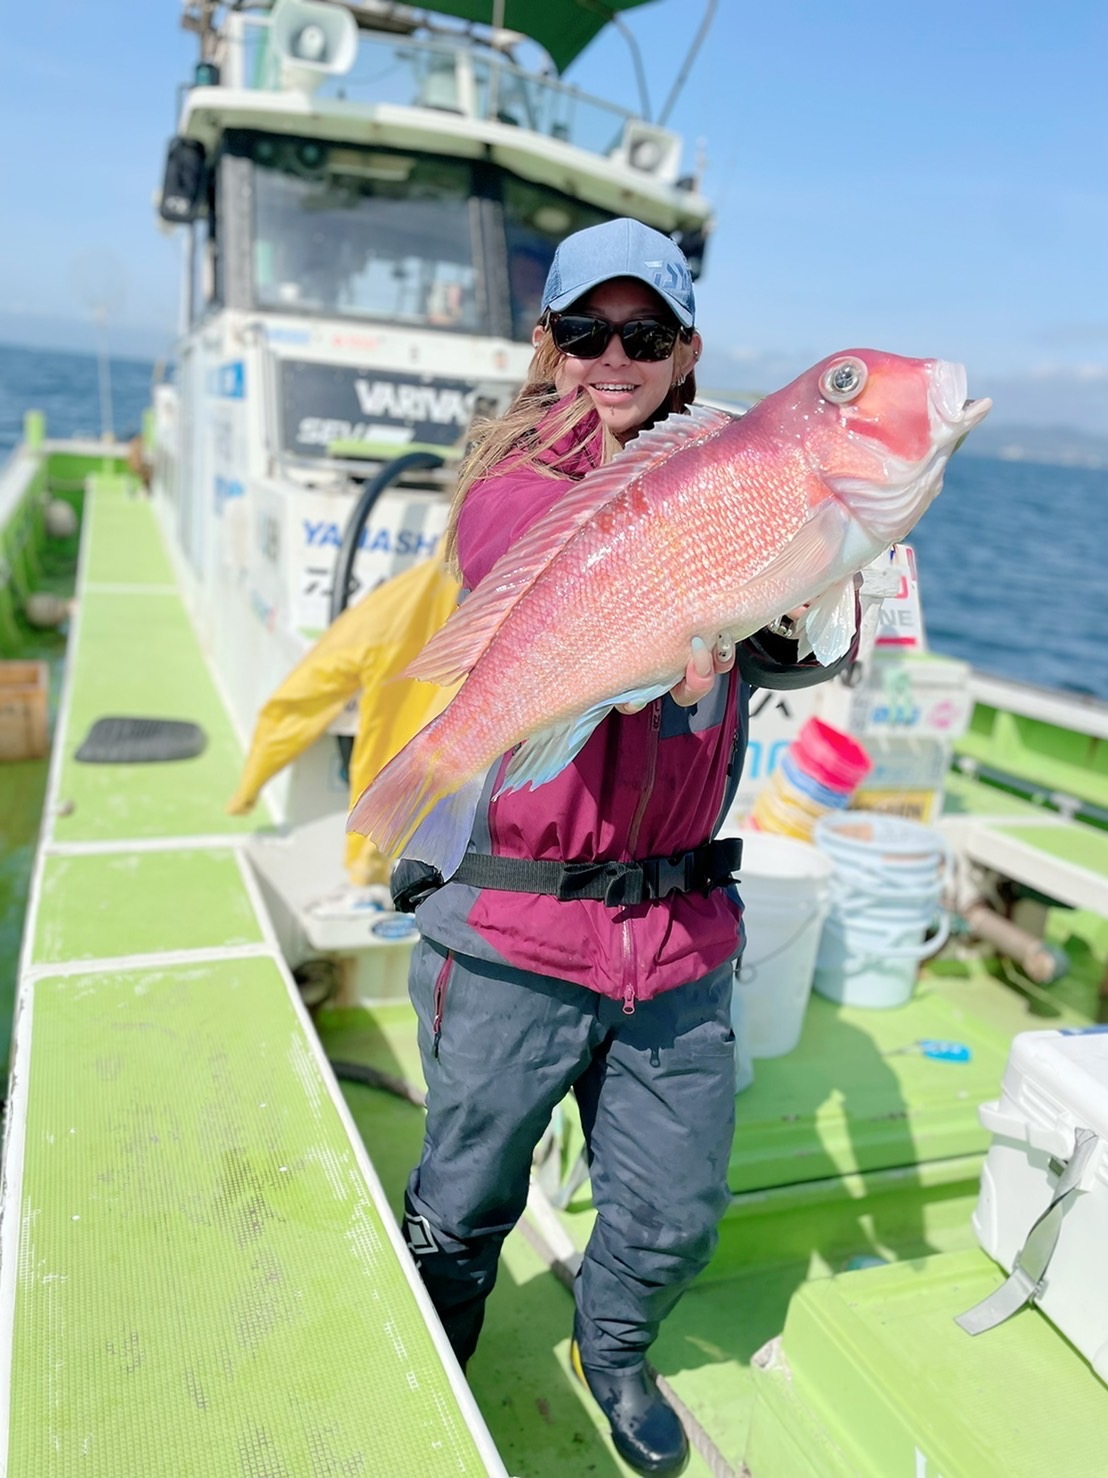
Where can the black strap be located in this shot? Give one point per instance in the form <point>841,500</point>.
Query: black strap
<point>616,883</point>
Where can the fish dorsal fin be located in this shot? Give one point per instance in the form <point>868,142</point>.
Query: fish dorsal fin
<point>453,651</point>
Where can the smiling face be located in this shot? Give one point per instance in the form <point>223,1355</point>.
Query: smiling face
<point>626,392</point>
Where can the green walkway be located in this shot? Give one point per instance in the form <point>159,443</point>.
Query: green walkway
<point>206,1282</point>
<point>136,655</point>
<point>200,1272</point>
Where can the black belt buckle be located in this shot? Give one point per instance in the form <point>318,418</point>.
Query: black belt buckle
<point>617,883</point>
<point>666,875</point>
<point>412,884</point>
<point>725,857</point>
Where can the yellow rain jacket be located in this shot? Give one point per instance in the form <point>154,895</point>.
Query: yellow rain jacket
<point>366,647</point>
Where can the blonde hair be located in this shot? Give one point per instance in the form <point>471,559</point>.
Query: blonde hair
<point>517,429</point>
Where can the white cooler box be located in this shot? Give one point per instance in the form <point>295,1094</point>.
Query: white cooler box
<point>1043,1208</point>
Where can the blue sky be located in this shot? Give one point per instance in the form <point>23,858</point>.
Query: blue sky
<point>927,179</point>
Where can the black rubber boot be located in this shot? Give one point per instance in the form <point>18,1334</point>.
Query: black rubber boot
<point>646,1430</point>
<point>462,1326</point>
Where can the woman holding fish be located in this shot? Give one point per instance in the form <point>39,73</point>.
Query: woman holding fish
<point>585,934</point>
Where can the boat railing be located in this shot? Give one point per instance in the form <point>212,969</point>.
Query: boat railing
<point>452,76</point>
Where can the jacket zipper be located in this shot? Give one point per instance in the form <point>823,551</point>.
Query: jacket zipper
<point>630,962</point>
<point>442,980</point>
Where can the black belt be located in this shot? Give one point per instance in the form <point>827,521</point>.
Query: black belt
<point>615,883</point>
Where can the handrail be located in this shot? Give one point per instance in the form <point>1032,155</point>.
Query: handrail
<point>455,77</point>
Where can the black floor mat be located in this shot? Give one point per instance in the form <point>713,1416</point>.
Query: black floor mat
<point>133,741</point>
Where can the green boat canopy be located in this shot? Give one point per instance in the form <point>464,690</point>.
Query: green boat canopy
<point>563,27</point>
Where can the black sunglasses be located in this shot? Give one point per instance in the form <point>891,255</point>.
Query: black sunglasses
<point>582,336</point>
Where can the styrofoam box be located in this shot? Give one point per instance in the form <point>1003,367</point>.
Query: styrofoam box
<point>906,762</point>
<point>911,696</point>
<point>1054,1083</point>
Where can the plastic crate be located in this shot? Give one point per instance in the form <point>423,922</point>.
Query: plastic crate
<point>24,693</point>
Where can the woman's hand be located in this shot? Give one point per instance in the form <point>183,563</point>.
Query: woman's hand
<point>700,674</point>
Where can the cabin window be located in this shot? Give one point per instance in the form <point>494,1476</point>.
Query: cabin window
<point>347,231</point>
<point>203,259</point>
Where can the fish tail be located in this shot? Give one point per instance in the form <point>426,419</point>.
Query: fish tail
<point>419,804</point>
<point>400,795</point>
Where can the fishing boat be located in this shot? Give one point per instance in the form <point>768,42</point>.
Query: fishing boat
<point>215,1092</point>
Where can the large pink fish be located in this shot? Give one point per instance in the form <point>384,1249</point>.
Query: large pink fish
<point>708,524</point>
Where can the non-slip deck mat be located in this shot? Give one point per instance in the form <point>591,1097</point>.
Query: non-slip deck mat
<point>204,1285</point>
<point>102,906</point>
<point>140,741</point>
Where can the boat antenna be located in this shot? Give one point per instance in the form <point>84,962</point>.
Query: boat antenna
<point>686,66</point>
<point>199,17</point>
<point>104,373</point>
<point>101,285</point>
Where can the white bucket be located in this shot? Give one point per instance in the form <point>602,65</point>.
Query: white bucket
<point>785,888</point>
<point>886,907</point>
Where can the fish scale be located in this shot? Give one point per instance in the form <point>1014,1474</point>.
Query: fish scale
<point>707,524</point>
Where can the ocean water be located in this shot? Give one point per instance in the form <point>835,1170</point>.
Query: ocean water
<point>1011,555</point>
<point>66,388</point>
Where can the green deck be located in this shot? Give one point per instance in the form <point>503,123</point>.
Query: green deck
<point>200,1272</point>
<point>855,1095</point>
<point>201,1279</point>
<point>1078,845</point>
<point>205,1283</point>
<point>135,654</point>
<point>102,906</point>
<point>917,1140</point>
<point>877,1379</point>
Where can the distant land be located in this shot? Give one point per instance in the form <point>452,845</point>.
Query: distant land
<point>1058,446</point>
<point>1061,446</point>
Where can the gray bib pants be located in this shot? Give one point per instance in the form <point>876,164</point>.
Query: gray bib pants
<point>501,1048</point>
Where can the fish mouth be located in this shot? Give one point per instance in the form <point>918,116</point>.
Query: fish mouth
<point>950,402</point>
<point>974,411</point>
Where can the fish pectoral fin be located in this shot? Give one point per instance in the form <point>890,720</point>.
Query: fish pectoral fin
<point>546,753</point>
<point>442,836</point>
<point>829,624</point>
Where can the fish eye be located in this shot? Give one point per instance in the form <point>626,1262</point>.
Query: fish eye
<point>843,381</point>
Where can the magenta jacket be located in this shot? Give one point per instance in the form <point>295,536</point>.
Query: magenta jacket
<point>650,784</point>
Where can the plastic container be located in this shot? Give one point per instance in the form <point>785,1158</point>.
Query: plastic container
<point>785,888</point>
<point>1055,1083</point>
<point>818,773</point>
<point>886,910</point>
<point>832,759</point>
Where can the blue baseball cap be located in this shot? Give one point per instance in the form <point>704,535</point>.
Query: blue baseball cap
<point>620,248</point>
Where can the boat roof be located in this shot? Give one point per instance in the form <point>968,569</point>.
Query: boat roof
<point>563,28</point>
